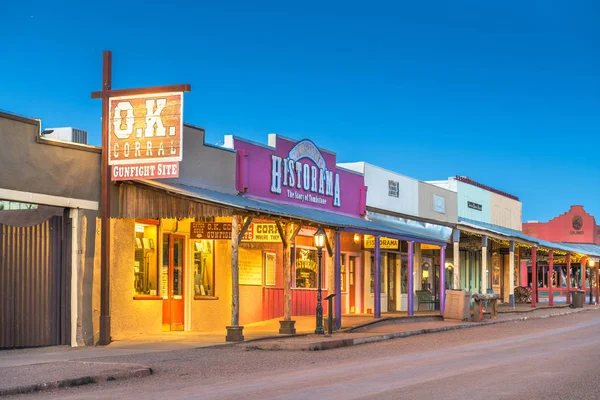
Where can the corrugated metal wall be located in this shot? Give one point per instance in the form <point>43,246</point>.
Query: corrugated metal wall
<point>34,285</point>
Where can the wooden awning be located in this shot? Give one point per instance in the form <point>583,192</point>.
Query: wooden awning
<point>136,201</point>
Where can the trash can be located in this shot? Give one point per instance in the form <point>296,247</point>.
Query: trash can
<point>578,298</point>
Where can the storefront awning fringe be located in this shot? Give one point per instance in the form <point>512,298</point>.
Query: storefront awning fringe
<point>144,202</point>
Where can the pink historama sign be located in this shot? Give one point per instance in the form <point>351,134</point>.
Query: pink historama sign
<point>299,173</point>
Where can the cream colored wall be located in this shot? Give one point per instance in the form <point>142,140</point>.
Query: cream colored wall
<point>506,212</point>
<point>128,317</point>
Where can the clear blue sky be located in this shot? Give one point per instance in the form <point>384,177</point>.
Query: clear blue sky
<point>507,94</point>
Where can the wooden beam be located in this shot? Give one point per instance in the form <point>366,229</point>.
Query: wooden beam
<point>296,232</point>
<point>245,228</point>
<point>186,87</point>
<point>328,244</point>
<point>281,233</point>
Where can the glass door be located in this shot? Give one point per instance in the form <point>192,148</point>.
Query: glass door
<point>173,251</point>
<point>351,283</point>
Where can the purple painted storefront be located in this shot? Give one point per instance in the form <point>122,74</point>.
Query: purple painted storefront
<point>300,174</point>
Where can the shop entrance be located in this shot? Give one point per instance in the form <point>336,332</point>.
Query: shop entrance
<point>391,281</point>
<point>352,283</point>
<point>173,250</point>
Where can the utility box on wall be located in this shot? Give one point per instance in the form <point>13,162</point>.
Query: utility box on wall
<point>458,305</point>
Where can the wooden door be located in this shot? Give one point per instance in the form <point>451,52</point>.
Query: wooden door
<point>352,283</point>
<point>173,265</point>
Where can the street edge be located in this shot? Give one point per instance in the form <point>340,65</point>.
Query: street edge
<point>139,372</point>
<point>339,343</point>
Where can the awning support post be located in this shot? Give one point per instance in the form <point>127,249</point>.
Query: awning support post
<point>411,279</point>
<point>377,291</point>
<point>234,331</point>
<point>338,282</point>
<point>569,278</point>
<point>442,278</point>
<point>511,274</point>
<point>534,282</point>
<point>550,278</point>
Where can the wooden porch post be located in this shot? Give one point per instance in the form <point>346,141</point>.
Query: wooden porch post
<point>235,332</point>
<point>411,279</point>
<point>338,281</point>
<point>377,277</point>
<point>569,278</point>
<point>583,270</point>
<point>456,258</point>
<point>511,273</point>
<point>597,284</point>
<point>287,326</point>
<point>484,257</point>
<point>442,278</point>
<point>534,283</point>
<point>550,276</point>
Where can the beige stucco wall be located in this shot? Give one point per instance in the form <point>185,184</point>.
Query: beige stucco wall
<point>506,212</point>
<point>211,315</point>
<point>427,209</point>
<point>204,165</point>
<point>129,317</point>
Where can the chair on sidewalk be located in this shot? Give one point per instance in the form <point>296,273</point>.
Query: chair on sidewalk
<point>425,297</point>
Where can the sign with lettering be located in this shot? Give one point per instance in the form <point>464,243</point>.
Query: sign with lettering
<point>250,266</point>
<point>211,230</point>
<point>298,173</point>
<point>266,232</point>
<point>384,243</point>
<point>474,206</point>
<point>145,134</point>
<point>304,176</point>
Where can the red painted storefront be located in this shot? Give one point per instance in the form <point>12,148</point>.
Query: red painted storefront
<point>573,226</point>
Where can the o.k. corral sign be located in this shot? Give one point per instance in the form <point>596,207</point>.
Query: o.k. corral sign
<point>145,136</point>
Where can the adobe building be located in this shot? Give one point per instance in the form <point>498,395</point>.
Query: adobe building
<point>574,226</point>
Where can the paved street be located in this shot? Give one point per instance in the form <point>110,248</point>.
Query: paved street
<point>554,358</point>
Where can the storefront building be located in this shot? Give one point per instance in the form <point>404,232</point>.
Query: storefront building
<point>418,207</point>
<point>49,192</point>
<point>321,193</point>
<point>577,228</point>
<point>485,259</point>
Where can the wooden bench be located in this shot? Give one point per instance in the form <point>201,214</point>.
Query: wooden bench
<point>478,306</point>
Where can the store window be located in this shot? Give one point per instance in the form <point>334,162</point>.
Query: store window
<point>307,269</point>
<point>381,274</point>
<point>204,271</point>
<point>145,262</point>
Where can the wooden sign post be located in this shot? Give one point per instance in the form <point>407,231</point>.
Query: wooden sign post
<point>105,94</point>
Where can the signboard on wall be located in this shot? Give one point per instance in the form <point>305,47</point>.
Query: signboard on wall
<point>145,136</point>
<point>265,232</point>
<point>474,206</point>
<point>384,243</point>
<point>250,266</point>
<point>211,230</point>
<point>298,173</point>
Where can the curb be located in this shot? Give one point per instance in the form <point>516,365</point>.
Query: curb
<point>339,343</point>
<point>140,371</point>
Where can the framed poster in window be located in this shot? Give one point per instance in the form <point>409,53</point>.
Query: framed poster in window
<point>270,268</point>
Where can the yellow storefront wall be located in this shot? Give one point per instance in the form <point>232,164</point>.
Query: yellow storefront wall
<point>131,317</point>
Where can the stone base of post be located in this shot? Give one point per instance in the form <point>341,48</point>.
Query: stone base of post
<point>235,334</point>
<point>511,300</point>
<point>287,327</point>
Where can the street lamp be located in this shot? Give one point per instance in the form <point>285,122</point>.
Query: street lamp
<point>319,243</point>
